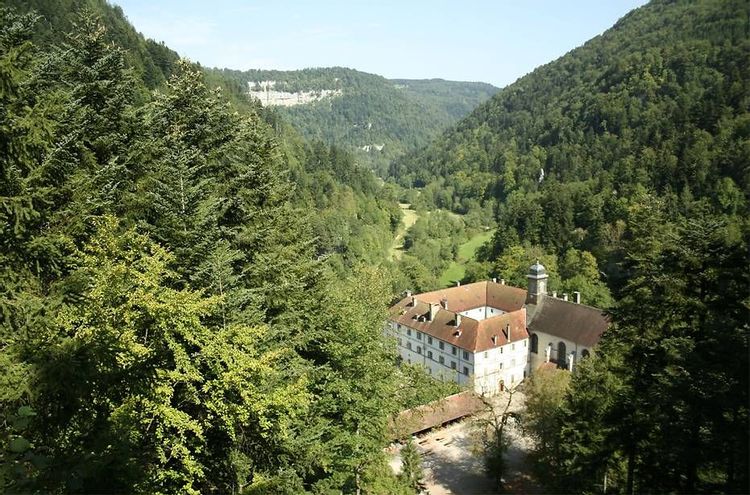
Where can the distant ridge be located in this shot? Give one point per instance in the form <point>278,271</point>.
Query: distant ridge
<point>376,118</point>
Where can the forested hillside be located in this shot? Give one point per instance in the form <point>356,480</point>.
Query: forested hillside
<point>658,103</point>
<point>151,62</point>
<point>183,304</point>
<point>389,117</point>
<point>625,165</point>
<point>355,216</point>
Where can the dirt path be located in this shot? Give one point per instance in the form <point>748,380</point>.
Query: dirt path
<point>410,218</point>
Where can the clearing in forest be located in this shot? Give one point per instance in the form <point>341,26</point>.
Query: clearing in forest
<point>466,252</point>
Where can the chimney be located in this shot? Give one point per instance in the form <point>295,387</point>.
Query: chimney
<point>507,331</point>
<point>433,310</point>
<point>408,293</point>
<point>494,340</point>
<point>577,297</point>
<point>554,294</point>
<point>413,301</point>
<point>565,296</point>
<point>458,283</point>
<point>502,281</point>
<point>458,319</point>
<point>494,280</point>
<point>444,303</point>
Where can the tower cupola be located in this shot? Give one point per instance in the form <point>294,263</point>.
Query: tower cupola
<point>537,283</point>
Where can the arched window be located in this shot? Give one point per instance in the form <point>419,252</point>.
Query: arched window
<point>534,343</point>
<point>561,354</point>
<point>585,353</point>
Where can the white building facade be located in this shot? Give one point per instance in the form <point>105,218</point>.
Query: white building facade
<point>478,344</point>
<point>490,336</point>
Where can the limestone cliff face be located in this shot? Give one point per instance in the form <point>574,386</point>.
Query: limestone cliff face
<point>268,96</point>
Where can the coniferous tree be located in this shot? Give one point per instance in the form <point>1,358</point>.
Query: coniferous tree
<point>658,408</point>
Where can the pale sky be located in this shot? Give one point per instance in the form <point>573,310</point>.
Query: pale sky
<point>491,41</point>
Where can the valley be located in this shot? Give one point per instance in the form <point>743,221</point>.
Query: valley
<point>216,280</point>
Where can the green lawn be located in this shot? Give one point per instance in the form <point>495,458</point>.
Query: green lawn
<point>466,252</point>
<point>455,271</point>
<point>468,249</point>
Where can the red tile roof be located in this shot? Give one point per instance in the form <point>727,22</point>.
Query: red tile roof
<point>575,322</point>
<point>471,335</point>
<point>436,413</point>
<point>470,296</point>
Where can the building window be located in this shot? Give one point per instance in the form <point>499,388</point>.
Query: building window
<point>398,325</point>
<point>534,343</point>
<point>513,347</point>
<point>441,345</point>
<point>400,342</point>
<point>501,365</point>
<point>512,361</point>
<point>486,354</point>
<point>419,335</point>
<point>408,331</point>
<point>453,365</point>
<point>501,350</point>
<point>408,345</point>
<point>419,349</point>
<point>429,354</point>
<point>466,355</point>
<point>441,359</point>
<point>584,353</point>
<point>524,344</point>
<point>454,350</point>
<point>429,370</point>
<point>466,371</point>
<point>429,340</point>
<point>408,361</point>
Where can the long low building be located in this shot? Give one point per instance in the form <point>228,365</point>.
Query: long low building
<point>490,335</point>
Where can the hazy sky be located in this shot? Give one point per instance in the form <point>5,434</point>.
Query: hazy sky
<point>494,41</point>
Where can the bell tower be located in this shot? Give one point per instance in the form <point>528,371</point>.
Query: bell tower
<point>537,283</point>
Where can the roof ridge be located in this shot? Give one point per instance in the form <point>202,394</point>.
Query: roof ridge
<point>574,303</point>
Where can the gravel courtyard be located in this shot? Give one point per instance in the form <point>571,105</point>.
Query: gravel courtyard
<point>453,465</point>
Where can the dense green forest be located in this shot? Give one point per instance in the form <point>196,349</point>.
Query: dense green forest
<point>401,115</point>
<point>624,167</point>
<point>184,303</point>
<point>193,286</point>
<point>150,62</point>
